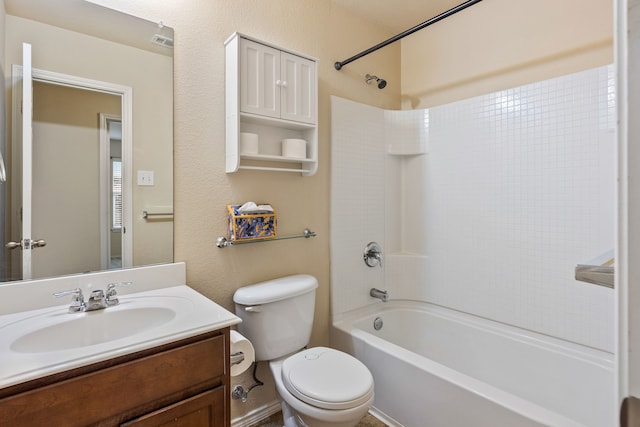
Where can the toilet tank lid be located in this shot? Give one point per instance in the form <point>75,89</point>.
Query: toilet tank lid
<point>275,290</point>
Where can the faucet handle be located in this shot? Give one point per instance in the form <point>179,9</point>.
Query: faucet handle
<point>112,295</point>
<point>373,254</point>
<point>112,286</point>
<point>77,304</point>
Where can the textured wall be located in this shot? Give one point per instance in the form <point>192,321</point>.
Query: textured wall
<point>320,29</point>
<point>499,44</point>
<point>202,189</point>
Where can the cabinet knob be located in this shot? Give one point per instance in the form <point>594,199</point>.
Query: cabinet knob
<point>284,83</point>
<point>278,82</point>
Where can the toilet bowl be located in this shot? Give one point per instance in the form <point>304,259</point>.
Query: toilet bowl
<point>323,387</point>
<point>318,386</point>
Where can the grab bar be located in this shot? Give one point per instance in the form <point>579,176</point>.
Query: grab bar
<point>597,274</point>
<point>599,271</point>
<point>146,214</point>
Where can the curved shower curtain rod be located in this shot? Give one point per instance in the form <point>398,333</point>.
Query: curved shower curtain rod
<point>418,27</point>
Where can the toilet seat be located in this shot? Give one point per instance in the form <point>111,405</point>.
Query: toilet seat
<point>327,378</point>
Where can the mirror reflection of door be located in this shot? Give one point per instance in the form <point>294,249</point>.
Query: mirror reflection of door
<point>67,168</point>
<point>60,186</point>
<point>70,52</point>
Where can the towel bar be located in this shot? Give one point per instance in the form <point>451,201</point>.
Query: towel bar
<point>146,214</point>
<point>223,242</point>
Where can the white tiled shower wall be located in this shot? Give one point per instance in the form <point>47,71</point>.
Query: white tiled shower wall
<point>513,190</point>
<point>357,200</point>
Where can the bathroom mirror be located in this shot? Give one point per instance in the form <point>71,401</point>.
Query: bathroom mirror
<point>102,170</point>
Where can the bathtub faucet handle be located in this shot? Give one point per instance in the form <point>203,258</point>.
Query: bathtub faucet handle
<point>377,293</point>
<point>373,254</point>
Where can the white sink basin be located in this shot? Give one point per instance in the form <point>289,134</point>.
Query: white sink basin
<point>91,328</point>
<point>40,342</point>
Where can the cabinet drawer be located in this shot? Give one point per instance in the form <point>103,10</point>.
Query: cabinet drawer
<point>121,391</point>
<point>203,410</point>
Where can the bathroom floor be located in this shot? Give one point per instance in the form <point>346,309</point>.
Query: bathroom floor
<point>276,421</point>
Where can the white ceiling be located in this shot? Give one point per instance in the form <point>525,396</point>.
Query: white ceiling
<point>398,15</point>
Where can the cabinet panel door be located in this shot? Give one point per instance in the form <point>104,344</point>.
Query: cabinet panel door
<point>298,88</point>
<point>259,79</point>
<point>203,410</point>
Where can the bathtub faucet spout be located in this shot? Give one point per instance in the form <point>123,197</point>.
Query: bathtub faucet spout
<point>377,293</point>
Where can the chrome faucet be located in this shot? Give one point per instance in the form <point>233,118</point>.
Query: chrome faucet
<point>98,299</point>
<point>373,254</point>
<point>377,293</point>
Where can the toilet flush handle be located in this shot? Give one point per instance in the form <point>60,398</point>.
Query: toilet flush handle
<point>253,309</point>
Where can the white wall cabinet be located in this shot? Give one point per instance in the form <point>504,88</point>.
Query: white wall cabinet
<point>272,92</point>
<point>276,84</point>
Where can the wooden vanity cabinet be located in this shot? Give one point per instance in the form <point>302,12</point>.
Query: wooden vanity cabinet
<point>185,383</point>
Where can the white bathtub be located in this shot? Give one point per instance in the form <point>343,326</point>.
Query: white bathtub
<point>437,367</point>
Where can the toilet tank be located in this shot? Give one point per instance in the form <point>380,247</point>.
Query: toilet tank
<point>277,315</point>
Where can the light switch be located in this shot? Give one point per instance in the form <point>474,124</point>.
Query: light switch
<point>145,178</point>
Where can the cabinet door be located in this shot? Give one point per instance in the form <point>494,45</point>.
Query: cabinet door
<point>203,410</point>
<point>298,91</point>
<point>259,79</point>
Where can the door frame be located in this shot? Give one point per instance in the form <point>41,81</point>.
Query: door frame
<point>105,187</point>
<point>126,96</point>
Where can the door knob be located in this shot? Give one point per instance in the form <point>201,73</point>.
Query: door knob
<point>28,244</point>
<point>12,245</point>
<point>38,243</point>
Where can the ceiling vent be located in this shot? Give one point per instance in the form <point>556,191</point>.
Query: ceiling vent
<point>162,40</point>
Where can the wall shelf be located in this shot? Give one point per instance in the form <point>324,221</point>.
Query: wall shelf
<point>272,121</point>
<point>272,158</point>
<point>223,242</point>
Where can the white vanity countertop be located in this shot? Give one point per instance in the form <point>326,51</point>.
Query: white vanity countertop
<point>36,343</point>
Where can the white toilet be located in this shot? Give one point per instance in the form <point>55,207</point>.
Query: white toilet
<point>318,386</point>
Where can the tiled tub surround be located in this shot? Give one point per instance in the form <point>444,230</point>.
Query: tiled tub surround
<point>483,206</point>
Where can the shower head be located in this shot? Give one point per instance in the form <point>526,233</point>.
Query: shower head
<point>382,83</point>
